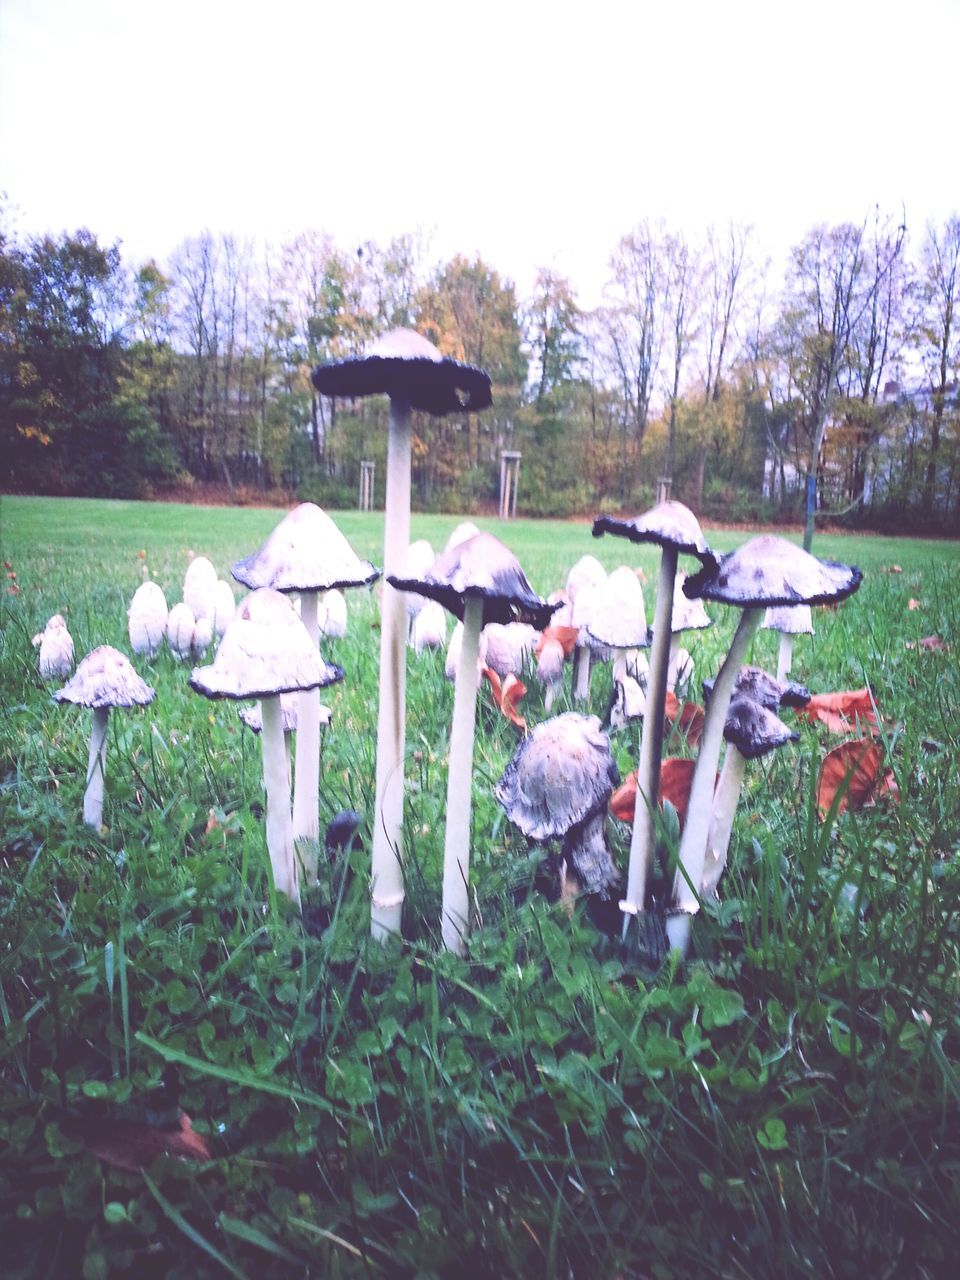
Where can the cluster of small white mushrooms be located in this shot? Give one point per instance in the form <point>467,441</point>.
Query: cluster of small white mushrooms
<point>55,645</point>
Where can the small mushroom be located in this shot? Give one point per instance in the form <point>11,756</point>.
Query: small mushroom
<point>223,607</point>
<point>147,619</point>
<point>791,621</point>
<point>617,619</point>
<point>199,586</point>
<point>582,581</point>
<point>55,643</point>
<point>333,615</point>
<point>252,717</point>
<point>104,679</point>
<point>479,581</point>
<point>429,629</point>
<point>452,661</point>
<point>509,646</point>
<point>181,625</point>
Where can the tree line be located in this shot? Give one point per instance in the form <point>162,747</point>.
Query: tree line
<point>829,393</point>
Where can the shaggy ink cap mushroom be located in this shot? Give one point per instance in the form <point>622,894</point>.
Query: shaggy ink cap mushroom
<point>769,571</point>
<point>265,651</point>
<point>754,730</point>
<point>618,619</point>
<point>688,615</point>
<point>104,679</point>
<point>252,718</point>
<point>483,569</point>
<point>760,686</point>
<point>406,366</point>
<point>668,524</point>
<point>305,552</point>
<point>561,774</point>
<point>789,620</point>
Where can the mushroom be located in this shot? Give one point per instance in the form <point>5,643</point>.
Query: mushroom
<point>557,786</point>
<point>253,719</point>
<point>674,528</point>
<point>479,581</point>
<point>308,554</point>
<point>452,661</point>
<point>759,686</point>
<point>199,586</point>
<point>104,679</point>
<point>265,651</point>
<point>617,619</point>
<point>55,659</point>
<point>333,615</point>
<point>181,625</point>
<point>793,621</point>
<point>509,646</point>
<point>147,619</point>
<point>429,630</point>
<point>202,638</point>
<point>751,731</point>
<point>584,577</point>
<point>764,571</point>
<point>466,529</point>
<point>552,649</point>
<point>222,607</point>
<point>688,615</point>
<point>412,372</point>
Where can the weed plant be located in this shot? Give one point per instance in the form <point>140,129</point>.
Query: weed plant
<point>785,1104</point>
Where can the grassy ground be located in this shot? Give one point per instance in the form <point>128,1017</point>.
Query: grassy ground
<point>787,1104</point>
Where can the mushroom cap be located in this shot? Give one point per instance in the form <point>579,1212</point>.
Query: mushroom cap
<point>481,568</point>
<point>252,717</point>
<point>560,774</point>
<point>199,585</point>
<point>429,629</point>
<point>789,620</point>
<point>464,530</point>
<point>509,646</point>
<point>587,851</point>
<point>180,628</point>
<point>333,614</point>
<point>771,571</point>
<point>754,730</point>
<point>452,660</point>
<point>760,686</point>
<point>305,552</point>
<point>222,606</point>
<point>105,678</point>
<point>587,572</point>
<point>688,615</point>
<point>668,524</point>
<point>617,619</point>
<point>265,650</point>
<point>407,367</point>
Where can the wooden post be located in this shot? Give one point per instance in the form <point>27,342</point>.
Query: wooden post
<point>367,470</point>
<point>509,483</point>
<point>663,489</point>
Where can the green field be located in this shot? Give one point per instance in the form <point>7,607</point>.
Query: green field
<point>788,1103</point>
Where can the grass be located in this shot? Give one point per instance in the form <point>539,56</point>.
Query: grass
<point>788,1103</point>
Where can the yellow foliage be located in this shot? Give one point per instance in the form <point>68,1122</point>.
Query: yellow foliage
<point>33,433</point>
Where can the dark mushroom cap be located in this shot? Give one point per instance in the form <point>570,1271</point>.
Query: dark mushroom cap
<point>588,853</point>
<point>771,571</point>
<point>480,568</point>
<point>105,678</point>
<point>668,524</point>
<point>265,650</point>
<point>754,730</point>
<point>759,686</point>
<point>560,774</point>
<point>305,552</point>
<point>407,367</point>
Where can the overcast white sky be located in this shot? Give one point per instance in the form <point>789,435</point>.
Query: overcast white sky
<point>535,134</point>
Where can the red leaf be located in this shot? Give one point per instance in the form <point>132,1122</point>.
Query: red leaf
<point>623,802</point>
<point>860,760</point>
<point>690,722</point>
<point>671,706</point>
<point>842,712</point>
<point>932,643</point>
<point>676,775</point>
<point>133,1146</point>
<point>507,695</point>
<point>566,637</point>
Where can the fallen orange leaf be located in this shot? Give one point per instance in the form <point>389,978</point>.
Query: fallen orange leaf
<point>507,695</point>
<point>566,637</point>
<point>858,765</point>
<point>934,643</point>
<point>133,1146</point>
<point>690,722</point>
<point>676,775</point>
<point>623,802</point>
<point>671,706</point>
<point>841,712</point>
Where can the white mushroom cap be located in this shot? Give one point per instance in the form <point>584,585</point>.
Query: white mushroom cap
<point>771,571</point>
<point>265,650</point>
<point>550,662</point>
<point>305,552</point>
<point>223,608</point>
<point>147,618</point>
<point>289,704</point>
<point>202,637</point>
<point>420,556</point>
<point>668,524</point>
<point>587,572</point>
<point>560,774</point>
<point>180,628</point>
<point>789,620</point>
<point>430,627</point>
<point>105,678</point>
<point>509,646</point>
<point>199,584</point>
<point>617,619</point>
<point>55,659</point>
<point>465,530</point>
<point>452,661</point>
<point>333,615</point>
<point>688,615</point>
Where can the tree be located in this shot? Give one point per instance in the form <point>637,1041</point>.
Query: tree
<point>938,335</point>
<point>552,320</point>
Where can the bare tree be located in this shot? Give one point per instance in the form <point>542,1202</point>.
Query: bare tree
<point>939,333</point>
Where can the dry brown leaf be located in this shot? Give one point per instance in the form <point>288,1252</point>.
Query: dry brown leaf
<point>842,712</point>
<point>861,761</point>
<point>133,1146</point>
<point>507,695</point>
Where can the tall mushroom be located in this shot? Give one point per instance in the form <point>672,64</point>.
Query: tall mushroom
<point>104,679</point>
<point>674,528</point>
<point>266,651</point>
<point>582,580</point>
<point>412,372</point>
<point>765,571</point>
<point>308,554</point>
<point>479,581</point>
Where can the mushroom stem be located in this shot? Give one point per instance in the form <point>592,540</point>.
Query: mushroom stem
<point>784,656</point>
<point>96,769</point>
<point>386,858</point>
<point>306,790</point>
<point>693,843</point>
<point>280,845</point>
<point>455,911</point>
<point>581,673</point>
<point>651,743</point>
<point>725,801</point>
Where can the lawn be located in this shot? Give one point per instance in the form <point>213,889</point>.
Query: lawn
<point>787,1103</point>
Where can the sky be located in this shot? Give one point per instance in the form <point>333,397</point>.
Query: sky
<point>533,134</point>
